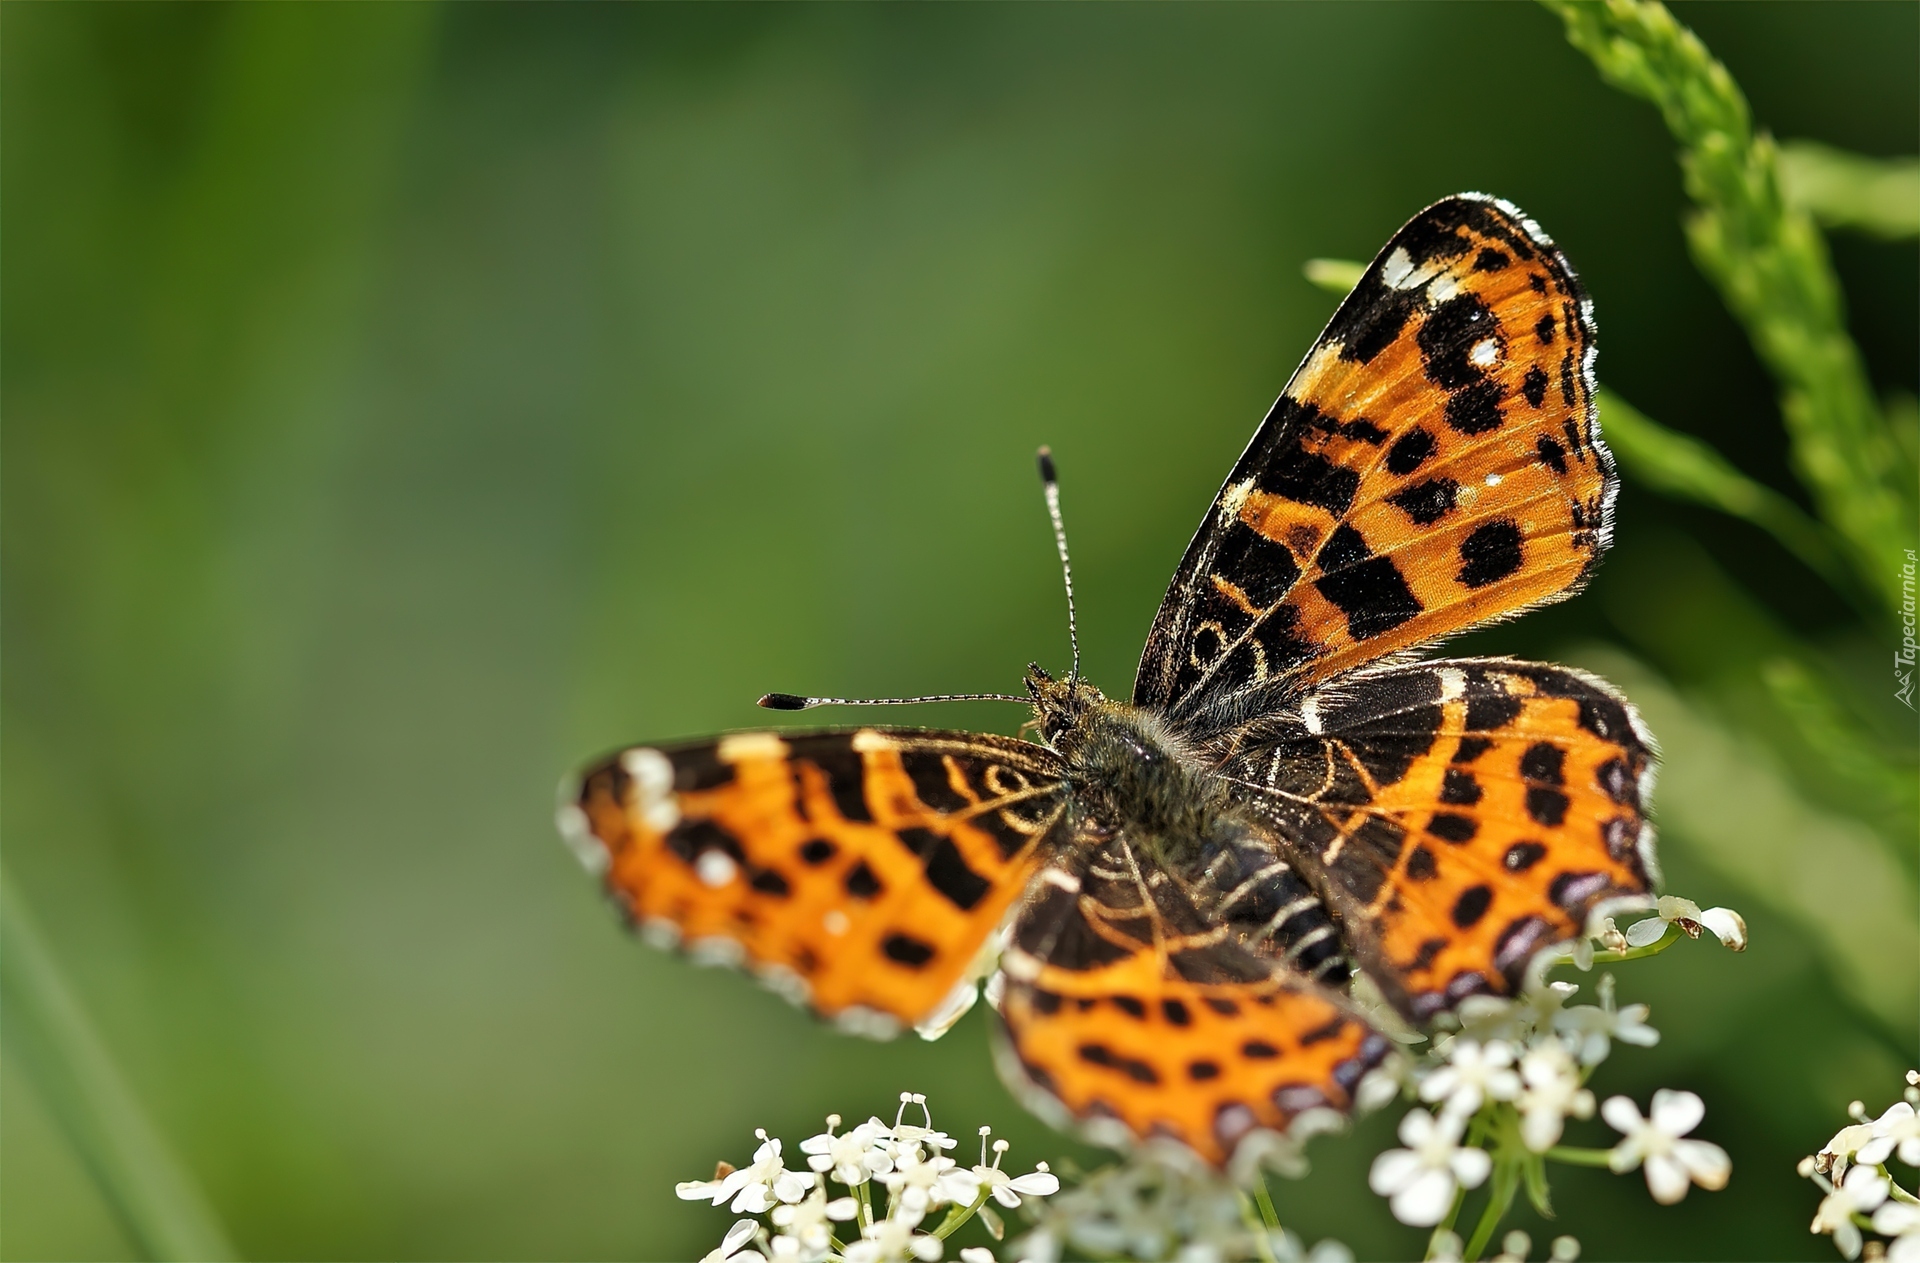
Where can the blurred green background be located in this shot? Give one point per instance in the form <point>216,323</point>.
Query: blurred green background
<point>404,403</point>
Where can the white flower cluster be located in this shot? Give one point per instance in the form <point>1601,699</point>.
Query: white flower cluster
<point>1861,1193</point>
<point>1515,1071</point>
<point>906,1159</point>
<point>1158,1205</point>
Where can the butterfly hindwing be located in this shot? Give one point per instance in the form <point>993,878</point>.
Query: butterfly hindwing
<point>859,872</point>
<point>1434,464</point>
<point>1462,815</point>
<point>1133,1014</point>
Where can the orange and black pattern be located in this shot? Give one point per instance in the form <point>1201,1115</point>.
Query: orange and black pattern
<point>856,872</point>
<point>1434,464</point>
<point>1465,814</point>
<point>1187,883</point>
<point>1129,1003</point>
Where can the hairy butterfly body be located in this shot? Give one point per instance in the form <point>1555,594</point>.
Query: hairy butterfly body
<point>1180,886</point>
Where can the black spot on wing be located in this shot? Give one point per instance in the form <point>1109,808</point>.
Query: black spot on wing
<point>861,882</point>
<point>1544,762</point>
<point>1544,332</point>
<point>769,882</point>
<point>1547,806</point>
<point>845,770</point>
<point>1364,430</point>
<point>1551,454</point>
<point>1489,707</point>
<point>1448,335</point>
<point>693,837</point>
<point>947,872</point>
<point>1523,855</point>
<point>1490,554</point>
<point>1475,409</point>
<point>1449,827</point>
<point>1534,385</point>
<point>1471,906</point>
<point>1372,594</point>
<point>907,950</point>
<point>1310,478</point>
<point>1457,786</point>
<point>1259,567</point>
<point>1573,889</point>
<point>1490,261</point>
<point>1427,502</point>
<point>1409,451</point>
<point>817,851</point>
<point>1371,318</point>
<point>1421,865</point>
<point>931,782</point>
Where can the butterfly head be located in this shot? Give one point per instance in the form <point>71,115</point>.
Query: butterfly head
<point>1060,706</point>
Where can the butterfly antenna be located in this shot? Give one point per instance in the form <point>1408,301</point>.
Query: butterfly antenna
<point>793,701</point>
<point>1050,479</point>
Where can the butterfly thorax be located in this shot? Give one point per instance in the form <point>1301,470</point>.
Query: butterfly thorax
<point>1130,773</point>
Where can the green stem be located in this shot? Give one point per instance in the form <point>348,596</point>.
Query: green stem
<point>959,1215</point>
<point>1262,1238</point>
<point>149,1189</point>
<point>1264,1200</point>
<point>1506,1182</point>
<point>865,1208</point>
<point>1578,1157</point>
<point>1770,264</point>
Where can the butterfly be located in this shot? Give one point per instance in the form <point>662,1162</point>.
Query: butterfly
<point>1181,886</point>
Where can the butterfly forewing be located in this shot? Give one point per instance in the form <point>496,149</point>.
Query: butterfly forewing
<point>1433,465</point>
<point>859,872</point>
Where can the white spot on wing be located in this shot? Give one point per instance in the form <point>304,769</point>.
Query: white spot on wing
<point>1494,480</point>
<point>1484,353</point>
<point>716,951</point>
<point>1444,286</point>
<point>715,868</point>
<point>653,800</point>
<point>867,740</point>
<point>750,745</point>
<point>870,1023</point>
<point>577,832</point>
<point>1397,271</point>
<point>1233,498</point>
<point>836,922</point>
<point>1310,714</point>
<point>660,932</point>
<point>1453,684</point>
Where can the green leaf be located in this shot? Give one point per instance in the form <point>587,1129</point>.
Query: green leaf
<point>1877,196</point>
<point>153,1194</point>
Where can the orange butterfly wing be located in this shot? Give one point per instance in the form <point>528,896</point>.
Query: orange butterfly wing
<point>856,872</point>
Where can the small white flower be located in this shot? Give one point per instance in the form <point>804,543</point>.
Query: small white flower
<point>919,1184</point>
<point>1897,1130</point>
<point>730,1251</point>
<point>1901,1221</point>
<point>806,1229</point>
<point>1862,1190</point>
<point>1381,1085</point>
<point>1445,1246</point>
<point>893,1240</point>
<point>1671,1163</point>
<point>755,1189</point>
<point>1551,1093</point>
<point>905,1137</point>
<point>1420,1179</point>
<point>1514,1248</point>
<point>1008,1189</point>
<point>1592,1028</point>
<point>1724,923</point>
<point>976,1254</point>
<point>854,1156</point>
<point>1474,1074</point>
